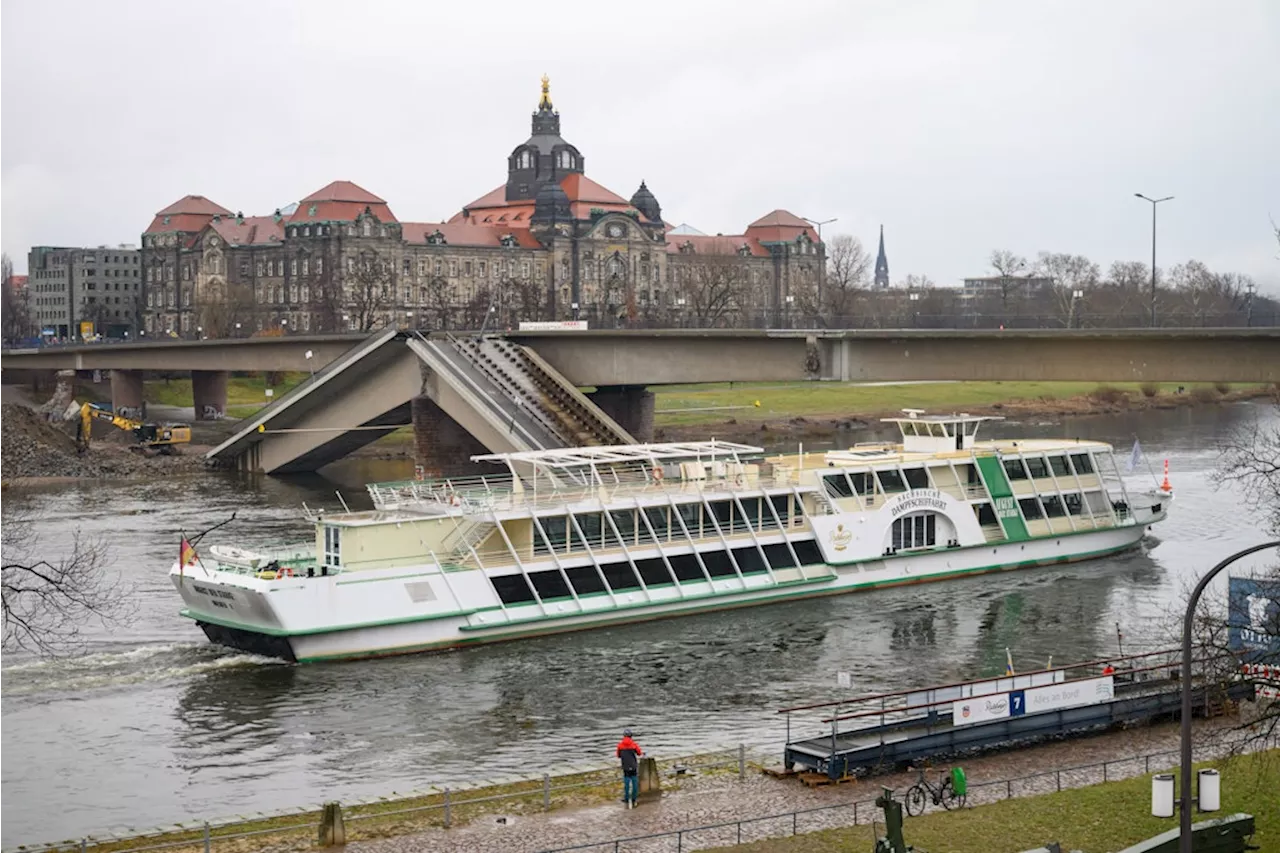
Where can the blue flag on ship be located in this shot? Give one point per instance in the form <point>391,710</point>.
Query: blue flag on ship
<point>1134,456</point>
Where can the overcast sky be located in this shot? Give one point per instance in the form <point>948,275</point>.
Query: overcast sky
<point>961,126</point>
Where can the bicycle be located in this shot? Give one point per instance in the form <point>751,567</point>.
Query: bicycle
<point>943,794</point>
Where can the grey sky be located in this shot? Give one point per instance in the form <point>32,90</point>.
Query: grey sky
<point>962,127</point>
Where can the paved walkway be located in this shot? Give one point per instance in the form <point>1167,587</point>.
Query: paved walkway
<point>717,799</point>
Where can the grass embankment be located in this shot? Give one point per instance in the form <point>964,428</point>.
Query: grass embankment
<point>1095,819</point>
<point>834,400</point>
<point>367,821</point>
<point>245,394</point>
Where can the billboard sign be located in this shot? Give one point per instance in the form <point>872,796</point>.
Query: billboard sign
<point>553,326</point>
<point>1253,622</point>
<point>1070,694</point>
<point>979,709</point>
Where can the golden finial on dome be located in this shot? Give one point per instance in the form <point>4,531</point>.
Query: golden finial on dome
<point>545,102</point>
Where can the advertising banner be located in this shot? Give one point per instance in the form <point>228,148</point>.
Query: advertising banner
<point>1055,697</point>
<point>1253,624</point>
<point>553,326</point>
<point>980,709</point>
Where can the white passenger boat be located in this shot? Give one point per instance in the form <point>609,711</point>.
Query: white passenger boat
<point>564,540</point>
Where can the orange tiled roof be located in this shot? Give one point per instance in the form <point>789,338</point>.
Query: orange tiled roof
<point>251,231</point>
<point>493,209</point>
<point>196,204</point>
<point>458,233</point>
<point>340,201</point>
<point>780,226</point>
<point>720,244</point>
<point>344,191</point>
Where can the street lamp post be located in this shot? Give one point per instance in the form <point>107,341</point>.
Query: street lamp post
<point>1076,296</point>
<point>1154,202</point>
<point>1248,302</point>
<point>822,273</point>
<point>915,314</point>
<point>1188,620</point>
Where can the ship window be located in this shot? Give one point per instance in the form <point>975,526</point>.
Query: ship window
<point>918,530</point>
<point>890,482</point>
<point>620,576</point>
<point>749,560</point>
<point>657,517</point>
<point>1058,464</point>
<point>1074,505</point>
<point>779,556</point>
<point>1014,469</point>
<point>585,580</point>
<point>556,532</point>
<point>686,568</point>
<point>808,552</point>
<point>549,584</point>
<point>625,521</point>
<point>1030,508</point>
<point>333,546</point>
<point>718,564</point>
<point>1037,467</point>
<point>782,506</point>
<point>839,484</point>
<point>863,483</point>
<point>917,478</point>
<point>1082,463</point>
<point>512,589</point>
<point>751,506</point>
<point>1053,506</point>
<point>653,571</point>
<point>589,524</point>
<point>690,514</point>
<point>986,516</point>
<point>723,512</point>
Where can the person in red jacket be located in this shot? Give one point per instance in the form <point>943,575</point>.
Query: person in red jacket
<point>629,752</point>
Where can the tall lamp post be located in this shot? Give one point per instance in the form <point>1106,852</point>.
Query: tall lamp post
<point>1188,619</point>
<point>822,273</point>
<point>1154,202</point>
<point>1249,290</point>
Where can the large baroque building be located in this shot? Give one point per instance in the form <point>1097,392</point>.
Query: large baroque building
<point>549,243</point>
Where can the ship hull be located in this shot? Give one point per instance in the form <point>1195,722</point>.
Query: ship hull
<point>269,621</point>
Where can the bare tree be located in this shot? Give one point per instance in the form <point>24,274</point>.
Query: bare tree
<point>16,306</point>
<point>225,306</point>
<point>716,288</point>
<point>848,267</point>
<point>524,300</point>
<point>1071,274</point>
<point>914,281</point>
<point>1250,458</point>
<point>368,290</point>
<point>49,601</point>
<point>1010,268</point>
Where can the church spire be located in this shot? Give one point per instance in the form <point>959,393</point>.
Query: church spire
<point>882,264</point>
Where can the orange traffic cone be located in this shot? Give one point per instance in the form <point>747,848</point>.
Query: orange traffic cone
<point>1166,486</point>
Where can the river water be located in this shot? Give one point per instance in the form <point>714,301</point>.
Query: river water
<point>155,726</point>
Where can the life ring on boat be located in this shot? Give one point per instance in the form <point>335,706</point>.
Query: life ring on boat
<point>657,473</point>
<point>284,572</point>
<point>740,480</point>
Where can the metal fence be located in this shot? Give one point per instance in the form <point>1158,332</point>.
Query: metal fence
<point>859,812</point>
<point>209,835</point>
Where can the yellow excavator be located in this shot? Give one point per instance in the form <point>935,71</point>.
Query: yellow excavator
<point>152,438</point>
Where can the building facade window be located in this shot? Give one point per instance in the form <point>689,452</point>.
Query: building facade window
<point>306,266</point>
<point>319,266</point>
<point>293,267</point>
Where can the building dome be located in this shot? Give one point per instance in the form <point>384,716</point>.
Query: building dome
<point>644,202</point>
<point>551,204</point>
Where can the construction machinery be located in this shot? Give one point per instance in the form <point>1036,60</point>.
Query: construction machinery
<point>151,438</point>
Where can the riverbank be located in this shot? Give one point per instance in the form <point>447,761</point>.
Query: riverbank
<point>766,413</point>
<point>523,816</point>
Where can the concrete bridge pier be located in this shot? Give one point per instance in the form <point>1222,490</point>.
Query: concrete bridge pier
<point>209,394</point>
<point>441,446</point>
<point>126,394</point>
<point>631,406</point>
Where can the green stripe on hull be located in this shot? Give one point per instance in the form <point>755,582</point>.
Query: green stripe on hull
<point>606,619</point>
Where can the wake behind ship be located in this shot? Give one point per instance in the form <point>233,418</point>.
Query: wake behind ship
<point>578,538</point>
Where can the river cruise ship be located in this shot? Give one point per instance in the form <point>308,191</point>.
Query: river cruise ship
<point>564,540</point>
